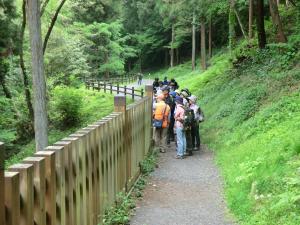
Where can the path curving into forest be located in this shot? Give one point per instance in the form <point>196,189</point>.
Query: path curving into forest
<point>183,192</point>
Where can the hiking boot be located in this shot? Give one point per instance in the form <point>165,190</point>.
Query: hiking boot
<point>196,149</point>
<point>179,157</point>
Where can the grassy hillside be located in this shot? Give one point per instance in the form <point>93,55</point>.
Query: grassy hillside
<point>251,101</point>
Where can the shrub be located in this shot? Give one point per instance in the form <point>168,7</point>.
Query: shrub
<point>66,106</point>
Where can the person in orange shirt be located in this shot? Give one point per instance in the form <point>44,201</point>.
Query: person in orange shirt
<point>161,118</point>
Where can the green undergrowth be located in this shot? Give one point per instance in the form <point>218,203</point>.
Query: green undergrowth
<point>69,110</point>
<point>251,101</point>
<point>125,204</point>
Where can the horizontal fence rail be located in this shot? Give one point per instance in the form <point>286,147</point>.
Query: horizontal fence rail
<point>109,87</point>
<point>115,80</point>
<point>74,181</point>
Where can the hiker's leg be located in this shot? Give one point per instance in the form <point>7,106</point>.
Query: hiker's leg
<point>197,136</point>
<point>157,137</point>
<point>164,133</point>
<point>180,141</point>
<point>184,141</point>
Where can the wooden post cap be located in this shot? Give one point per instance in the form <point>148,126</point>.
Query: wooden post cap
<point>120,103</point>
<point>149,90</point>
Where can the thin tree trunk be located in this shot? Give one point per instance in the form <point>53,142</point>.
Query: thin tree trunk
<point>210,38</point>
<point>177,56</point>
<point>240,23</point>
<point>172,47</point>
<point>44,7</point>
<point>260,16</point>
<point>52,25</point>
<point>166,58</point>
<point>3,84</point>
<point>23,68</point>
<point>250,19</point>
<point>39,82</point>
<point>194,42</point>
<point>203,47</point>
<point>277,21</point>
<point>231,25</point>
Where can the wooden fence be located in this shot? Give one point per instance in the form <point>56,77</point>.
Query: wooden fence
<point>115,80</point>
<point>109,87</point>
<point>76,179</point>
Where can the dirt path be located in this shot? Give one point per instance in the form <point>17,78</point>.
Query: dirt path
<point>183,192</point>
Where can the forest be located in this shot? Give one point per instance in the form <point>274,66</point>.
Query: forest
<point>241,58</point>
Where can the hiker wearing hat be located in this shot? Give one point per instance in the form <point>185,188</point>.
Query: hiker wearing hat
<point>198,118</point>
<point>160,122</point>
<point>179,120</point>
<point>170,100</point>
<point>185,93</point>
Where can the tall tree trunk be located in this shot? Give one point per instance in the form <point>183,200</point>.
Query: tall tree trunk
<point>250,19</point>
<point>177,56</point>
<point>210,38</point>
<point>240,23</point>
<point>23,68</point>
<point>231,25</point>
<point>39,82</point>
<point>172,47</point>
<point>194,42</point>
<point>277,21</point>
<point>260,16</point>
<point>166,57</point>
<point>52,25</point>
<point>203,46</point>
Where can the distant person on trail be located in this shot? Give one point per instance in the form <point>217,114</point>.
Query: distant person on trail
<point>166,82</point>
<point>179,120</point>
<point>161,122</point>
<point>173,85</point>
<point>155,84</point>
<point>199,117</point>
<point>140,79</point>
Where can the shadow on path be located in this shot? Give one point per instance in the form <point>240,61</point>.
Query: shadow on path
<point>183,192</point>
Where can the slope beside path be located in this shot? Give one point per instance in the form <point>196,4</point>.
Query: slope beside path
<point>183,192</point>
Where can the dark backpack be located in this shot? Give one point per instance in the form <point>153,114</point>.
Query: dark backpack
<point>189,119</point>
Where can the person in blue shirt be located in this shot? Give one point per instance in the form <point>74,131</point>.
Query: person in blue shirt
<point>166,82</point>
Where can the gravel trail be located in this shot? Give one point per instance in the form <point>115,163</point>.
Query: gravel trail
<point>183,192</point>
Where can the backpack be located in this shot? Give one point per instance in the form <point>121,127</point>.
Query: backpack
<point>201,115</point>
<point>189,119</point>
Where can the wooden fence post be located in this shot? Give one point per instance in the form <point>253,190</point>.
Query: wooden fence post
<point>132,93</point>
<point>125,90</point>
<point>12,198</point>
<point>60,183</point>
<point>118,88</point>
<point>111,91</point>
<point>142,93</point>
<point>149,90</point>
<point>99,86</point>
<point>2,208</point>
<point>39,188</point>
<point>120,103</point>
<point>26,191</point>
<point>50,197</point>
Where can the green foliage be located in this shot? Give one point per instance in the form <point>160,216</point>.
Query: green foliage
<point>119,214</point>
<point>67,104</point>
<point>148,165</point>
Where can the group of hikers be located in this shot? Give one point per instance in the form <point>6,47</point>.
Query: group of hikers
<point>176,117</point>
